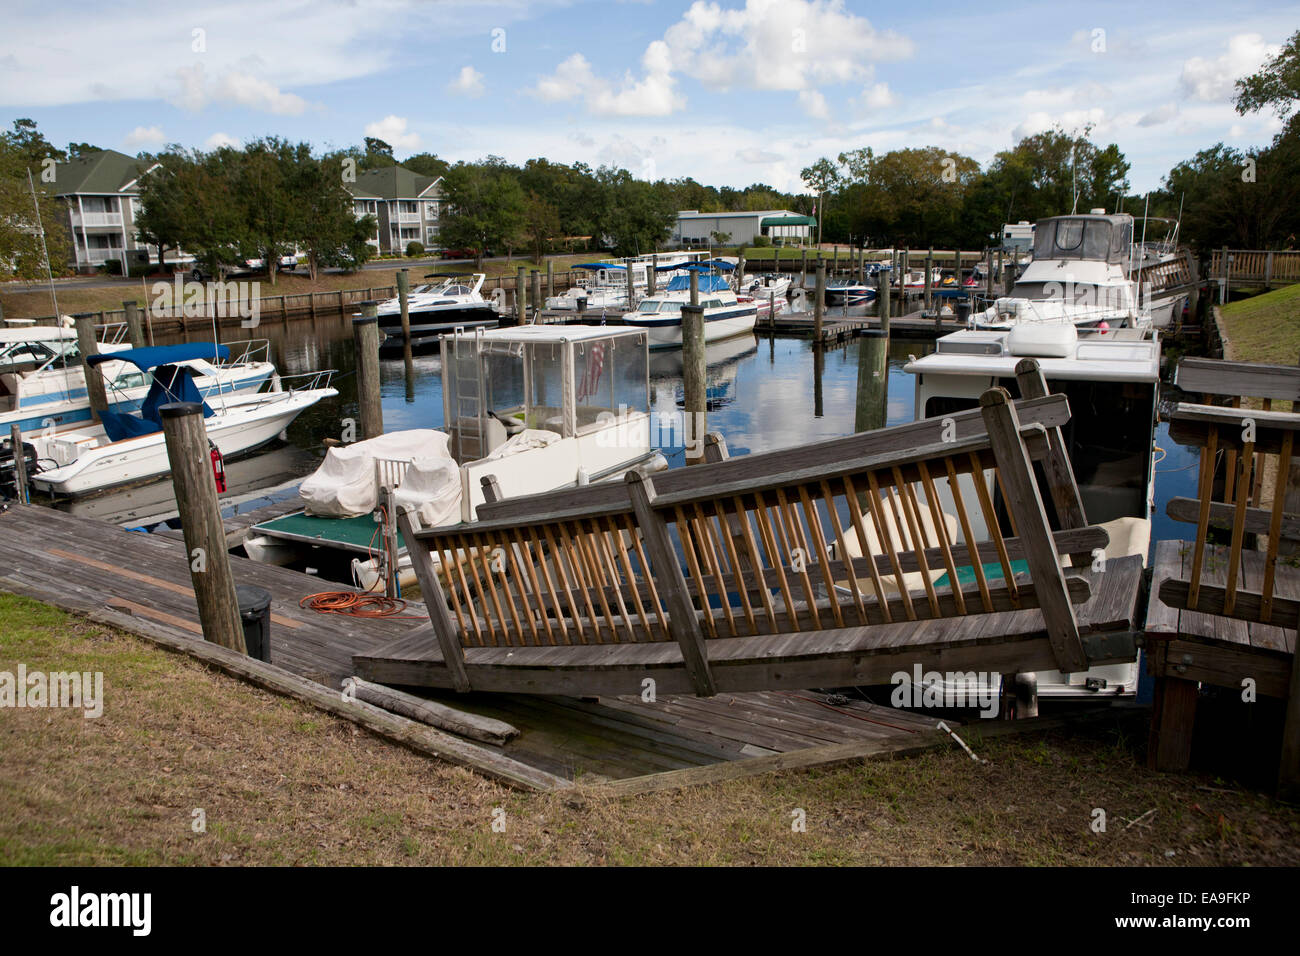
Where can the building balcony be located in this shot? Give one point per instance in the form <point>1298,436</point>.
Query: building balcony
<point>408,217</point>
<point>94,219</point>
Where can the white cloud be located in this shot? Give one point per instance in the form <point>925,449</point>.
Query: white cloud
<point>218,140</point>
<point>191,88</point>
<point>1212,80</point>
<point>1072,121</point>
<point>1161,114</point>
<point>756,154</point>
<point>766,45</point>
<point>144,136</point>
<point>814,104</point>
<point>392,130</point>
<point>877,96</point>
<point>653,94</point>
<point>469,82</point>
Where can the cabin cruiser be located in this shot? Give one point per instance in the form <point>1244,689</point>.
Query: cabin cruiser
<point>43,384</point>
<point>128,446</point>
<point>537,407</point>
<point>725,314</point>
<point>606,290</point>
<point>849,292</point>
<point>1112,380</point>
<point>436,308</point>
<point>1079,273</point>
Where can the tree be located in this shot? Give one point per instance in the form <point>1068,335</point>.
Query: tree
<point>1276,85</point>
<point>634,217</point>
<point>265,177</point>
<point>328,230</point>
<point>377,155</point>
<point>426,164</point>
<point>486,205</point>
<point>81,149</point>
<point>541,225</point>
<point>821,177</point>
<point>22,150</point>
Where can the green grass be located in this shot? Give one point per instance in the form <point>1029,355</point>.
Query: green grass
<point>1264,328</point>
<point>281,783</point>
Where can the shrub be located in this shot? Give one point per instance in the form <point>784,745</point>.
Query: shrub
<point>762,241</point>
<point>414,248</point>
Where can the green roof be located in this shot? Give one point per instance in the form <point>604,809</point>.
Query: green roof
<point>103,173</point>
<point>392,182</point>
<point>787,221</point>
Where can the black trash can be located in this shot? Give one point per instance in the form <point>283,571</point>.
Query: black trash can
<point>255,612</point>
<point>963,310</point>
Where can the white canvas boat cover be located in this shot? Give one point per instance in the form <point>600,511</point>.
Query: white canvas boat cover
<point>430,491</point>
<point>345,485</point>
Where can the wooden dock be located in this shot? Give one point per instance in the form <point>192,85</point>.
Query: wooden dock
<point>838,328</point>
<point>141,583</point>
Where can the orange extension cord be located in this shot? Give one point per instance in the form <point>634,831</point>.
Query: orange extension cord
<point>360,603</point>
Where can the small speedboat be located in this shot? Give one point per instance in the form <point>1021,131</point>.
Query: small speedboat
<point>725,314</point>
<point>435,309</point>
<point>128,446</point>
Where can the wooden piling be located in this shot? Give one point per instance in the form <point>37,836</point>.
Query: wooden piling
<point>693,378</point>
<point>651,280</point>
<point>365,334</point>
<point>929,282</point>
<point>803,268</point>
<point>134,329</point>
<point>873,381</point>
<point>550,278</point>
<point>631,286</point>
<point>740,272</point>
<point>695,287</point>
<point>521,303</point>
<point>200,513</point>
<point>882,299</point>
<point>88,346</point>
<point>537,291</point>
<point>20,464</point>
<point>988,272</point>
<point>819,300</point>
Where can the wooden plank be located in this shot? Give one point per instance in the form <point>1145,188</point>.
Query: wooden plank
<point>1244,379</point>
<point>1214,598</point>
<point>682,622</point>
<point>439,616</point>
<point>1256,521</point>
<point>432,712</point>
<point>1026,506</point>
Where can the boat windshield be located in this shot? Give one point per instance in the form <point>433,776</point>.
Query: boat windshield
<point>650,305</point>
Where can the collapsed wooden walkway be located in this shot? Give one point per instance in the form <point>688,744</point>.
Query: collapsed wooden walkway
<point>141,583</point>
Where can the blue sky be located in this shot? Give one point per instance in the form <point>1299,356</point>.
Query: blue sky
<point>729,92</point>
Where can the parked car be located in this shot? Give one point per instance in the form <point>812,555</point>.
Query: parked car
<point>465,253</point>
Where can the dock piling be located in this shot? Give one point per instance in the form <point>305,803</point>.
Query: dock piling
<point>819,300</point>
<point>929,281</point>
<point>404,300</point>
<point>651,280</point>
<point>521,305</point>
<point>631,288</point>
<point>550,278</point>
<point>882,299</point>
<point>873,381</point>
<point>88,346</point>
<point>200,513</point>
<point>536,276</point>
<point>131,309</point>
<point>365,334</point>
<point>693,377</point>
<point>20,464</point>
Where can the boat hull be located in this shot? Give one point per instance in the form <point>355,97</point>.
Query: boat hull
<point>667,333</point>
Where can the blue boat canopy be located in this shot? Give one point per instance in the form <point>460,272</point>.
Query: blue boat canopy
<point>153,356</point>
<point>707,283</point>
<point>593,266</point>
<point>171,383</point>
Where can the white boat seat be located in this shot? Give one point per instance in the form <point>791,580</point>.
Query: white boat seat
<point>913,580</point>
<point>1127,536</point>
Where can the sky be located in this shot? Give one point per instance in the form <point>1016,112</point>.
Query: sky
<point>729,92</point>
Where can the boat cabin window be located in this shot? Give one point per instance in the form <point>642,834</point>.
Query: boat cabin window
<point>649,306</point>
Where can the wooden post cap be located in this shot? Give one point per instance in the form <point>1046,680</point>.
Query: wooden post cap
<point>180,409</point>
<point>370,303</point>
<point>995,396</point>
<point>83,315</point>
<point>1026,365</point>
<point>364,319</point>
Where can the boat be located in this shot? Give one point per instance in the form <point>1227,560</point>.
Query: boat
<point>725,314</point>
<point>128,446</point>
<point>43,383</point>
<point>1113,376</point>
<point>537,407</point>
<point>606,289</point>
<point>436,308</point>
<point>1158,267</point>
<point>1079,273</point>
<point>767,284</point>
<point>849,292</point>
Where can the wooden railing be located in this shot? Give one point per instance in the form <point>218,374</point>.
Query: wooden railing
<point>1255,266</point>
<point>906,524</point>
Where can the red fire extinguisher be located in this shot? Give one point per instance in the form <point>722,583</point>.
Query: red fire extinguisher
<point>218,466</point>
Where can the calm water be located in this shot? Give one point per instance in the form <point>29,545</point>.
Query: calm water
<point>765,394</point>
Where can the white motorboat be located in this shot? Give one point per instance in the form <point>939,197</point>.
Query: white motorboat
<point>1112,380</point>
<point>437,308</point>
<point>127,446</point>
<point>725,314</point>
<point>537,407</point>
<point>1079,274</point>
<point>1155,266</point>
<point>766,285</point>
<point>43,384</point>
<point>606,290</point>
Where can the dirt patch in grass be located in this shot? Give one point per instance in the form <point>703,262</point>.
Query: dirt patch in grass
<point>281,783</point>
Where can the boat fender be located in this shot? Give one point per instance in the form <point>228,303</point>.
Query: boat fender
<point>218,466</point>
<point>583,477</point>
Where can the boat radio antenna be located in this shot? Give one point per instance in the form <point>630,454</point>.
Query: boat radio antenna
<point>49,275</point>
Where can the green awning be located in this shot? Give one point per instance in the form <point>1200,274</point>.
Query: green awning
<point>769,221</point>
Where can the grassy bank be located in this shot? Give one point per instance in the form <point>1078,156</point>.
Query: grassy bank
<point>24,301</point>
<point>279,782</point>
<point>1264,328</point>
